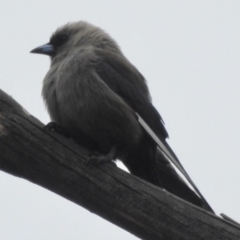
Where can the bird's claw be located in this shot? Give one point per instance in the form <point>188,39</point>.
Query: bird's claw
<point>97,159</point>
<point>53,126</point>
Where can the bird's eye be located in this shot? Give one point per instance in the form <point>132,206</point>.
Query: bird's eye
<point>64,38</point>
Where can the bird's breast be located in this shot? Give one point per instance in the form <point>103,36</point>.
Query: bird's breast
<point>80,101</point>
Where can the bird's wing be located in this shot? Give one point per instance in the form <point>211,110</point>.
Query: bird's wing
<point>125,80</point>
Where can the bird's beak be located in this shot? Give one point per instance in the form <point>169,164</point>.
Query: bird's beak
<point>46,49</point>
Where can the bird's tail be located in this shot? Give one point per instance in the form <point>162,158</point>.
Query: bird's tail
<point>152,166</point>
<point>174,183</point>
<point>169,178</point>
<point>141,161</point>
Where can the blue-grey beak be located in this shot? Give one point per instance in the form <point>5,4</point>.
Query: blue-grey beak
<point>46,49</point>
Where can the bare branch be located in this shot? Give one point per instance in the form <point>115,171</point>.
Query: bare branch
<point>59,164</point>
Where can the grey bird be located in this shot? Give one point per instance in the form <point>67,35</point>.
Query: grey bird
<point>96,95</point>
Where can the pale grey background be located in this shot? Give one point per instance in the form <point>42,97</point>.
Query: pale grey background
<point>189,53</point>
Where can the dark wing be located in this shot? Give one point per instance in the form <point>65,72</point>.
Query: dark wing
<point>125,80</point>
<point>128,83</point>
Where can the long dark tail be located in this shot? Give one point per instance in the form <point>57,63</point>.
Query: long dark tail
<point>141,161</point>
<point>169,178</point>
<point>148,163</point>
<point>174,183</point>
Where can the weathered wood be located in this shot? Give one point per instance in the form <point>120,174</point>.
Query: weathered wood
<point>59,164</point>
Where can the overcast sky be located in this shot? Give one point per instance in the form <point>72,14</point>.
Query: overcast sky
<point>189,52</point>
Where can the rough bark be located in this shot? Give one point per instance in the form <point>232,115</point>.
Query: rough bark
<point>59,164</point>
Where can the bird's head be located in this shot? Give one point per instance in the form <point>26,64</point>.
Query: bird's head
<point>76,35</point>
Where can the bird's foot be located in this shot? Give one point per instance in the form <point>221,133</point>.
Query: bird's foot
<point>97,158</point>
<point>53,126</point>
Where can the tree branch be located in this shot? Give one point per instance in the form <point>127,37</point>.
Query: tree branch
<point>59,164</point>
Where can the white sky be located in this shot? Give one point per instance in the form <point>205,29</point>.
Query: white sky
<point>189,52</point>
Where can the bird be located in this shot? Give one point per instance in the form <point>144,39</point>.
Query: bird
<point>96,95</point>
